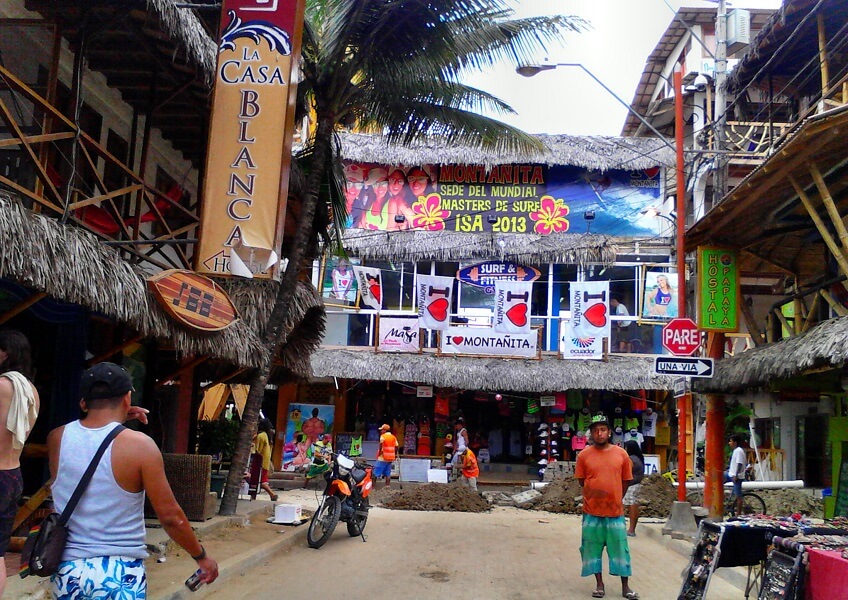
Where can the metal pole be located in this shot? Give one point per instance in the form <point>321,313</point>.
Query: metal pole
<point>682,414</point>
<point>720,180</point>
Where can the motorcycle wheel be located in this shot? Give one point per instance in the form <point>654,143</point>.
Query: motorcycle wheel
<point>356,525</point>
<point>324,522</point>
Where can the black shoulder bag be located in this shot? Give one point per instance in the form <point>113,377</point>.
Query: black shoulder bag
<point>45,543</point>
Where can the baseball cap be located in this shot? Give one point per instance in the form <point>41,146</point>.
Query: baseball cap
<point>384,427</point>
<point>599,420</point>
<point>115,379</point>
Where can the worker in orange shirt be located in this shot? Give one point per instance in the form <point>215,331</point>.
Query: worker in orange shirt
<point>386,455</point>
<point>470,469</point>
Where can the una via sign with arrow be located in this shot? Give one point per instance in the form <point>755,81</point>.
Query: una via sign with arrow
<point>680,365</point>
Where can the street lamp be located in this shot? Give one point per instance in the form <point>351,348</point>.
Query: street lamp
<point>653,211</point>
<point>531,70</point>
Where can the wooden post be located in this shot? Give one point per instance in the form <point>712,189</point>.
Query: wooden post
<point>714,451</point>
<point>185,403</point>
<point>823,231</point>
<point>751,322</point>
<point>825,71</point>
<point>830,205</point>
<point>340,406</point>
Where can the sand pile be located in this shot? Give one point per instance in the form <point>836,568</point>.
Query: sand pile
<point>433,496</point>
<point>656,497</point>
<point>787,501</point>
<point>563,496</point>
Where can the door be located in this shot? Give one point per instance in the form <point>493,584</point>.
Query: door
<point>811,461</point>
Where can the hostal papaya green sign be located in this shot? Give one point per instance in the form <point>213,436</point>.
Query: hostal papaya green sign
<point>718,289</point>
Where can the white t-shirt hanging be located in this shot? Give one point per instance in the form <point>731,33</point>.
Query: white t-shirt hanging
<point>649,425</point>
<point>630,435</point>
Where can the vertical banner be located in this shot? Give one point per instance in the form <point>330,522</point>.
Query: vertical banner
<point>512,306</point>
<point>247,166</point>
<point>370,284</point>
<point>718,289</point>
<point>589,324</point>
<point>434,301</point>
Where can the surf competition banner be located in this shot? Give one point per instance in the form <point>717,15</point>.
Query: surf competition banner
<point>250,132</point>
<point>484,341</point>
<point>589,324</point>
<point>521,198</point>
<point>487,274</point>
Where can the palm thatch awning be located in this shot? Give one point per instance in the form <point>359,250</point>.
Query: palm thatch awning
<point>601,153</point>
<point>493,374</point>
<point>412,246</point>
<point>821,347</point>
<point>69,264</point>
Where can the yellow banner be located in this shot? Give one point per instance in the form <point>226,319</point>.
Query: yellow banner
<point>247,165</point>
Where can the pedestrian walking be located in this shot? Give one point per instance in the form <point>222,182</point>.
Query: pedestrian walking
<point>106,536</point>
<point>19,404</point>
<point>736,471</point>
<point>604,471</point>
<point>470,469</point>
<point>631,497</point>
<point>262,447</point>
<point>386,455</point>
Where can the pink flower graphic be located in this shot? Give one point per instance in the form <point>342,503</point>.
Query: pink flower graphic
<point>550,217</point>
<point>429,214</point>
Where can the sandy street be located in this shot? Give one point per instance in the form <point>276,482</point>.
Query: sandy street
<point>505,554</point>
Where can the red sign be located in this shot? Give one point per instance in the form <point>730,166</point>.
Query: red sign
<point>681,337</point>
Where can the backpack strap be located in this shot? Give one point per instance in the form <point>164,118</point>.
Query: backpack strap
<point>89,473</point>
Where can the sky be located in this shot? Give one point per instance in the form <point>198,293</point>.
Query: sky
<point>614,49</point>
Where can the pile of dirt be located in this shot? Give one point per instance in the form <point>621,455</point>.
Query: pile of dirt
<point>563,496</point>
<point>788,501</point>
<point>656,496</point>
<point>434,496</point>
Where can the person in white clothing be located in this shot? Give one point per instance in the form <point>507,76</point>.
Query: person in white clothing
<point>108,523</point>
<point>19,405</point>
<point>620,328</point>
<point>736,472</point>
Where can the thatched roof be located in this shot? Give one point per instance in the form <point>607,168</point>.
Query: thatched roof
<point>187,31</point>
<point>601,153</point>
<point>470,373</point>
<point>564,248</point>
<point>69,264</point>
<point>822,346</point>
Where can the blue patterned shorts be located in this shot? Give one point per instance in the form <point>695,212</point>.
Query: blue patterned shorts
<point>101,577</point>
<point>609,533</point>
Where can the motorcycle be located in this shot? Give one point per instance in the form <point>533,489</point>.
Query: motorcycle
<point>345,499</point>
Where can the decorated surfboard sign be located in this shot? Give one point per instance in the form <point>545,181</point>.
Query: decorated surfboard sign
<point>485,274</point>
<point>193,300</point>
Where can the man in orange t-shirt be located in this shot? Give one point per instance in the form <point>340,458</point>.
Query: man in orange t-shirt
<point>604,472</point>
<point>470,469</point>
<point>387,454</point>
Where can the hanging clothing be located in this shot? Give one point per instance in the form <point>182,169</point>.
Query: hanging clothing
<point>424,439</point>
<point>410,438</point>
<point>399,428</point>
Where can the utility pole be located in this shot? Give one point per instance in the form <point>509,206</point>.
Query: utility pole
<point>714,449</point>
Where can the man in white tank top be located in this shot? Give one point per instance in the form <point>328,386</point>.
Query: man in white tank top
<point>108,523</point>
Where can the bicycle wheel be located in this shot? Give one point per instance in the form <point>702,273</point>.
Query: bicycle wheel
<point>695,498</point>
<point>752,504</point>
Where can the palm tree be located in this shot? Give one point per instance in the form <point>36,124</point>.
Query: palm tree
<point>393,67</point>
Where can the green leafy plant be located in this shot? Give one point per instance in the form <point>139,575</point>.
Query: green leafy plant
<point>218,436</point>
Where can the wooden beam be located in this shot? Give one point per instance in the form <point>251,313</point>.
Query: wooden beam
<point>37,139</point>
<point>185,367</point>
<point>784,322</point>
<point>32,504</point>
<point>114,194</point>
<point>825,71</point>
<point>836,306</point>
<point>814,215</point>
<point>113,350</point>
<point>21,307</point>
<point>830,205</point>
<point>811,314</point>
<point>751,323</point>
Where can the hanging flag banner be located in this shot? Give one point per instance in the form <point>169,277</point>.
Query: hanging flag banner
<point>484,341</point>
<point>370,284</point>
<point>512,306</point>
<point>589,323</point>
<point>247,166</point>
<point>434,301</point>
<point>398,334</point>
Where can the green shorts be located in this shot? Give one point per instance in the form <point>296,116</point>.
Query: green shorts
<point>599,532</point>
